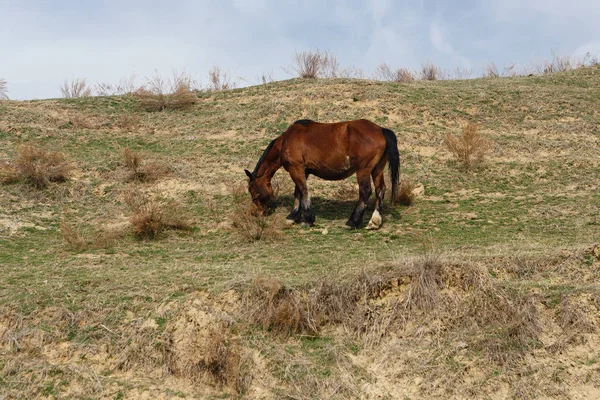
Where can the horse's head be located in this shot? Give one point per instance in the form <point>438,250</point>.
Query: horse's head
<point>261,191</point>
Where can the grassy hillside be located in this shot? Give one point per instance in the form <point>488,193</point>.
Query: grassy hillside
<point>485,286</point>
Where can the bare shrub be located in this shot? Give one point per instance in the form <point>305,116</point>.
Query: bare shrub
<point>150,217</point>
<point>351,72</point>
<point>219,80</point>
<point>266,77</point>
<point>386,73</point>
<point>141,171</point>
<point>470,148</point>
<point>159,94</point>
<point>405,195</point>
<point>126,85</point>
<point>424,290</point>
<point>40,167</point>
<point>75,88</point>
<point>3,89</point>
<point>431,72</point>
<point>315,64</point>
<point>462,73</point>
<point>491,71</point>
<point>278,309</point>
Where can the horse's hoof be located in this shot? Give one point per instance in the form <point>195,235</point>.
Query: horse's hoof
<point>372,227</point>
<point>290,221</point>
<point>306,225</point>
<point>350,225</point>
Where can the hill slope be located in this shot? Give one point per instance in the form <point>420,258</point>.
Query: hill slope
<point>102,314</point>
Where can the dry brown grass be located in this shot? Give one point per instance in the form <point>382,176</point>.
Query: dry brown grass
<point>402,75</point>
<point>141,171</point>
<point>270,304</point>
<point>75,88</point>
<point>405,195</point>
<point>3,89</point>
<point>128,122</point>
<point>37,166</point>
<point>249,222</point>
<point>160,94</point>
<point>81,239</point>
<point>151,217</point>
<point>470,148</point>
<point>9,173</point>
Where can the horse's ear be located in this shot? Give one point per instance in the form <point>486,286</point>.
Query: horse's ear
<point>248,173</point>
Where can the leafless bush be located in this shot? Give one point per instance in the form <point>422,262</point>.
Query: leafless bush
<point>491,71</point>
<point>219,80</point>
<point>75,88</point>
<point>3,89</point>
<point>141,171</point>
<point>126,85</point>
<point>150,217</point>
<point>351,72</point>
<point>159,94</point>
<point>470,148</point>
<point>253,226</point>
<point>431,72</point>
<point>38,167</point>
<point>386,73</point>
<point>266,77</point>
<point>314,64</point>
<point>278,309</point>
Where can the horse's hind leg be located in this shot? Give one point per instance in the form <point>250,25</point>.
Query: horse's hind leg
<point>364,192</point>
<point>379,181</point>
<point>295,215</point>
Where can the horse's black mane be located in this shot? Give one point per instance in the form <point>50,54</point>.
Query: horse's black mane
<point>304,122</point>
<point>262,158</point>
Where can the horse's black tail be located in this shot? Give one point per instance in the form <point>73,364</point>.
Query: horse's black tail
<point>391,147</point>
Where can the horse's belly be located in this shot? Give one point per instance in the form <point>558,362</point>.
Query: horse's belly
<point>331,175</point>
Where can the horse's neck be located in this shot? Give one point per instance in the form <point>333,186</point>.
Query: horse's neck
<point>272,161</point>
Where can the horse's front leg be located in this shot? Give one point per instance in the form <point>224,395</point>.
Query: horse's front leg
<point>364,192</point>
<point>295,215</point>
<point>379,181</point>
<point>298,175</point>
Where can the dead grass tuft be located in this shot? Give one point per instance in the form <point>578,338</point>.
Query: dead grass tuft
<point>279,309</point>
<point>405,195</point>
<point>37,166</point>
<point>160,94</point>
<point>251,224</point>
<point>470,148</point>
<point>128,122</point>
<point>9,173</point>
<point>81,239</point>
<point>75,88</point>
<point>427,280</point>
<point>141,171</point>
<point>150,217</point>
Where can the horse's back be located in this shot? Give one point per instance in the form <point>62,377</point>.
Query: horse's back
<point>332,150</point>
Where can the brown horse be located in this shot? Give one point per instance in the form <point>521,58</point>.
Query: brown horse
<point>332,152</point>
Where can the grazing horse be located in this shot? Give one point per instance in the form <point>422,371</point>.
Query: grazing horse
<point>332,151</point>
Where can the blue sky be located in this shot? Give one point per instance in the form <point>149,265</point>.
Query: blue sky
<point>42,43</point>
